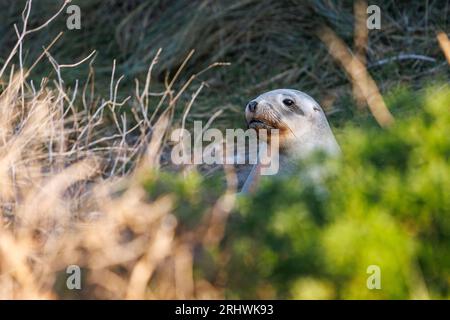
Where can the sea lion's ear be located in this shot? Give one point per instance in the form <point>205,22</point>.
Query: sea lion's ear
<point>315,108</point>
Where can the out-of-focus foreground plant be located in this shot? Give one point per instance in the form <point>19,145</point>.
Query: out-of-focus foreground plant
<point>385,203</point>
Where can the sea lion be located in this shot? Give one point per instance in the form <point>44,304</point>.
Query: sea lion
<point>302,124</point>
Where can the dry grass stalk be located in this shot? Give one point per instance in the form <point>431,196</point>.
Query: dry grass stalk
<point>361,35</point>
<point>358,75</point>
<point>445,44</point>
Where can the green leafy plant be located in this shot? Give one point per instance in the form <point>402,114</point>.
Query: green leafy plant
<point>385,202</point>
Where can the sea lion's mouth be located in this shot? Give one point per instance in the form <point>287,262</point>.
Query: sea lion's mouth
<point>259,124</point>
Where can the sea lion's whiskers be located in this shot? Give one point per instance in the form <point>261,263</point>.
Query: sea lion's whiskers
<point>284,124</point>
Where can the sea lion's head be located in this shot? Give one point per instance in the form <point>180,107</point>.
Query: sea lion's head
<point>294,113</point>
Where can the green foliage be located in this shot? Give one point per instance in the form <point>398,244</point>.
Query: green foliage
<point>192,193</point>
<point>385,202</point>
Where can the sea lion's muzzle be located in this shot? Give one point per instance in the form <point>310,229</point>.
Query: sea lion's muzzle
<point>259,124</point>
<point>257,116</point>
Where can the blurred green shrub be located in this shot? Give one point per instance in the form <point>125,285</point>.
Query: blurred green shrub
<point>385,202</point>
<point>193,195</point>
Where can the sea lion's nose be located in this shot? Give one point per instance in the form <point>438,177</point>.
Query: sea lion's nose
<point>252,106</point>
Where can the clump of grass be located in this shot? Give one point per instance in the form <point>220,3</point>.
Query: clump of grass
<point>271,43</point>
<point>72,170</point>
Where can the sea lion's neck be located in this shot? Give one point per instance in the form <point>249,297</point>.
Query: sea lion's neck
<point>302,145</point>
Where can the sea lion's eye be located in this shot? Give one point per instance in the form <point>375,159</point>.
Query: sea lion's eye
<point>288,102</point>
